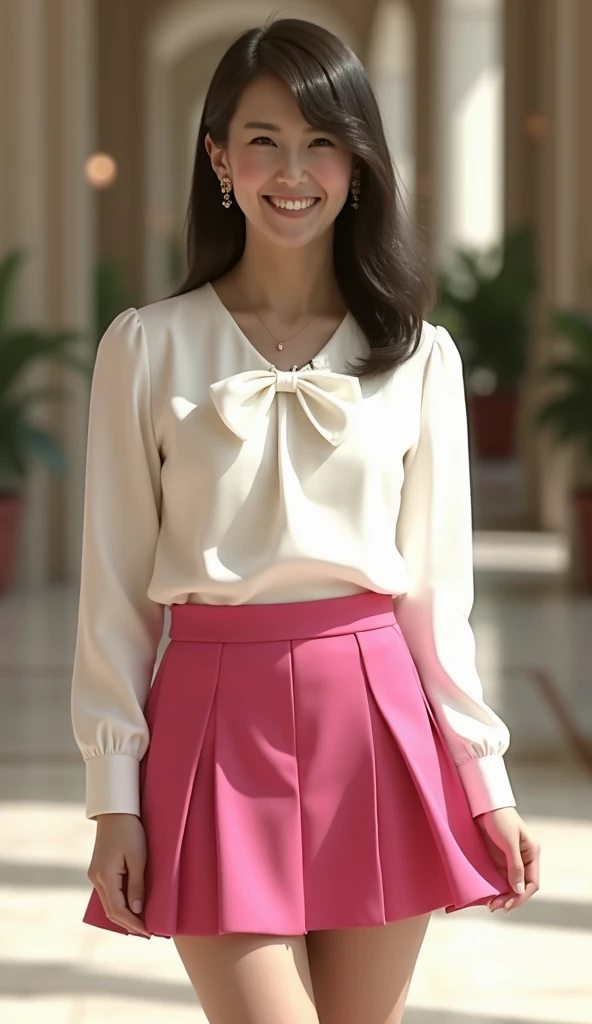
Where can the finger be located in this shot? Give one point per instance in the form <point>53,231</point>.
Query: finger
<point>103,897</point>
<point>532,861</point>
<point>103,891</point>
<point>516,901</point>
<point>509,902</point>
<point>135,886</point>
<point>119,910</point>
<point>498,901</point>
<point>515,868</point>
<point>532,876</point>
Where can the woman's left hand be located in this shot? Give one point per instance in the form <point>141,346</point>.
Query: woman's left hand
<point>514,852</point>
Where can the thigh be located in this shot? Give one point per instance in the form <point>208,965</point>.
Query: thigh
<point>362,975</point>
<point>250,978</point>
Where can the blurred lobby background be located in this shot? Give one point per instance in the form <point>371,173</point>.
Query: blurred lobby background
<point>486,105</point>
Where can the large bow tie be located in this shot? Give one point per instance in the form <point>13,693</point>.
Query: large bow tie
<point>328,399</point>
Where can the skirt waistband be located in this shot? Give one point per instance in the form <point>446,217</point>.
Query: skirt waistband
<point>296,620</point>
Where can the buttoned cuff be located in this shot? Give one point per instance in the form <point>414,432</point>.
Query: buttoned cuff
<point>486,783</point>
<point>112,785</point>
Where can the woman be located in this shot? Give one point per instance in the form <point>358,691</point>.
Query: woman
<point>278,452</point>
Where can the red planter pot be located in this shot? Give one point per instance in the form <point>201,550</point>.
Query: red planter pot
<point>11,516</point>
<point>493,420</point>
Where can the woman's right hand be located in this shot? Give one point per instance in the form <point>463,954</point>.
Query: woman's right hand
<point>120,849</point>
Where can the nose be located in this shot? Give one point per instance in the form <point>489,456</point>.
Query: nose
<point>292,170</point>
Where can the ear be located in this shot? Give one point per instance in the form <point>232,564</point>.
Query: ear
<point>218,157</point>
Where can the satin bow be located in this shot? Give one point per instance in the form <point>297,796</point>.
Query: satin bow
<point>328,399</point>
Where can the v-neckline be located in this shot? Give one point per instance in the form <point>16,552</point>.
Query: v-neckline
<point>320,355</point>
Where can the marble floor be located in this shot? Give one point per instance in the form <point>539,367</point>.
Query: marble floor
<point>534,655</point>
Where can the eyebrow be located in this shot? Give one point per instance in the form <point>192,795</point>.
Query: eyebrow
<point>272,127</point>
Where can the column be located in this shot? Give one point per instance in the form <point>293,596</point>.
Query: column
<point>70,250</point>
<point>468,125</point>
<point>547,171</point>
<point>426,27</point>
<point>390,64</point>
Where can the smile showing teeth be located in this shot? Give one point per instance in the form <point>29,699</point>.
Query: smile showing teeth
<point>289,204</point>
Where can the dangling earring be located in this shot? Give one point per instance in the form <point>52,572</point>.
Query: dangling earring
<point>226,186</point>
<point>355,190</point>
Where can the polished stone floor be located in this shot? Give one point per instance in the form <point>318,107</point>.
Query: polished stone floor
<point>534,655</point>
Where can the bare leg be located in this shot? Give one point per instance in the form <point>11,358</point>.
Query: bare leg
<point>362,975</point>
<point>250,978</point>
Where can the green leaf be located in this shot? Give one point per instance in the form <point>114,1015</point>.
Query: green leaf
<point>21,348</point>
<point>574,325</point>
<point>567,416</point>
<point>570,413</point>
<point>487,299</point>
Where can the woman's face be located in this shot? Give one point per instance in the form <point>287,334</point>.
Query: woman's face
<point>272,153</point>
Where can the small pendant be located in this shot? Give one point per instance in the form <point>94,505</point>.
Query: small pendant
<point>280,346</point>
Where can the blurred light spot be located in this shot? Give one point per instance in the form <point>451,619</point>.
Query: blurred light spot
<point>537,126</point>
<point>101,170</point>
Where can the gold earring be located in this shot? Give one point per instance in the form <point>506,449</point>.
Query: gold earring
<point>226,186</point>
<point>355,189</point>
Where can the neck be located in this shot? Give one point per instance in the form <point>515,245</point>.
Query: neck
<point>289,283</point>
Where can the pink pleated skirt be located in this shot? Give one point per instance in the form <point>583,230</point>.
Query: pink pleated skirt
<point>296,777</point>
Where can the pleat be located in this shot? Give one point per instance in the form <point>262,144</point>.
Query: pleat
<point>447,864</point>
<point>177,737</point>
<point>342,877</point>
<point>248,798</point>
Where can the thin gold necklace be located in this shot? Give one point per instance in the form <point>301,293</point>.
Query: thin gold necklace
<point>279,344</point>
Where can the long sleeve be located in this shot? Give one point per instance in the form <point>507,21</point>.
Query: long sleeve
<point>119,627</point>
<point>434,536</point>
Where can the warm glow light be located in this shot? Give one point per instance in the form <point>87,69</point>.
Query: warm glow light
<point>101,170</point>
<point>536,126</point>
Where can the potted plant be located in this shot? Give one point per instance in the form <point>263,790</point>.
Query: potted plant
<point>21,438</point>
<point>569,413</point>
<point>485,302</point>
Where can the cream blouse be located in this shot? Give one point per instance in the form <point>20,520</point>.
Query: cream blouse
<point>213,477</point>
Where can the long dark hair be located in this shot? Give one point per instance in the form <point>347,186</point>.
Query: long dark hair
<point>381,272</point>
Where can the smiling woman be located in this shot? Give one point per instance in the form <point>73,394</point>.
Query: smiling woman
<point>324,140</point>
<point>291,185</point>
<point>298,788</point>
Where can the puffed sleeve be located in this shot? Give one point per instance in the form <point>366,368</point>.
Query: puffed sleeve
<point>434,536</point>
<point>119,627</point>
